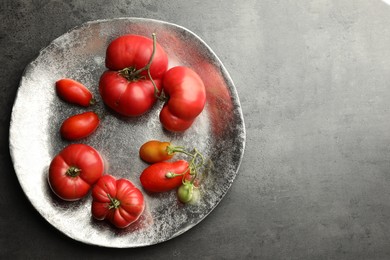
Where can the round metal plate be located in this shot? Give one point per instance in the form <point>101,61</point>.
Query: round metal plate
<point>219,132</point>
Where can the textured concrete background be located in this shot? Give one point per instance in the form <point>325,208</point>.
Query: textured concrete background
<point>313,78</point>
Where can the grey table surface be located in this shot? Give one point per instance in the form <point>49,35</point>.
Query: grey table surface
<point>313,79</point>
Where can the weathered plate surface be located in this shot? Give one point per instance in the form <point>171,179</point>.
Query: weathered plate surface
<point>218,132</point>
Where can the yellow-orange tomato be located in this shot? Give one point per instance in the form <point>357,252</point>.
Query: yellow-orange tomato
<point>155,151</point>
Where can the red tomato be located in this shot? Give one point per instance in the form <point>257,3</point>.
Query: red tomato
<point>74,170</point>
<point>128,98</point>
<point>187,98</point>
<point>126,87</point>
<point>155,179</point>
<point>134,51</point>
<point>155,151</point>
<point>118,201</point>
<point>74,92</point>
<point>79,126</point>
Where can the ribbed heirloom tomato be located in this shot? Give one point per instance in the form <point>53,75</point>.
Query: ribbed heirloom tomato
<point>186,98</point>
<point>118,201</point>
<point>132,61</point>
<point>74,170</point>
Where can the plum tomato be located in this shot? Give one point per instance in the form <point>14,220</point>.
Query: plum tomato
<point>118,201</point>
<point>156,151</point>
<point>74,170</point>
<point>164,176</point>
<point>74,92</point>
<point>79,126</point>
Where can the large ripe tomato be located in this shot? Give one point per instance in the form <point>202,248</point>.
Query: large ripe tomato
<point>127,87</point>
<point>127,97</point>
<point>79,126</point>
<point>118,201</point>
<point>74,92</point>
<point>155,151</point>
<point>187,98</point>
<point>134,51</point>
<point>74,170</point>
<point>164,176</point>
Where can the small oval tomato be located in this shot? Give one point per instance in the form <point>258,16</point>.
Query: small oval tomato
<point>74,170</point>
<point>187,98</point>
<point>118,201</point>
<point>79,126</point>
<point>74,92</point>
<point>164,176</point>
<point>155,151</point>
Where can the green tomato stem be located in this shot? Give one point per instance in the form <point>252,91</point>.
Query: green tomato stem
<point>197,161</point>
<point>73,171</point>
<point>173,174</point>
<point>92,102</point>
<point>114,203</point>
<point>157,93</point>
<point>177,149</point>
<point>132,74</point>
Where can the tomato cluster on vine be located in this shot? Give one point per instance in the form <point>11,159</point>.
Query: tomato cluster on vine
<point>163,175</point>
<point>137,76</point>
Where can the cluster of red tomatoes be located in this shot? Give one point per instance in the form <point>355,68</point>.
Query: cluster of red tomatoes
<point>137,76</point>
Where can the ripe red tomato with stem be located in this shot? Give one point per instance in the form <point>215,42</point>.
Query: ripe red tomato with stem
<point>186,97</point>
<point>74,92</point>
<point>79,126</point>
<point>136,65</point>
<point>74,170</point>
<point>164,176</point>
<point>117,200</point>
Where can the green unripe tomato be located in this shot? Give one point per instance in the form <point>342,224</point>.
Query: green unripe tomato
<point>185,192</point>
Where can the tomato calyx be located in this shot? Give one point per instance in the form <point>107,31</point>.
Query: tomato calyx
<point>73,171</point>
<point>131,74</point>
<point>114,203</point>
<point>92,101</point>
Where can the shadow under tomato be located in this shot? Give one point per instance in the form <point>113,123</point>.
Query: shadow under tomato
<point>143,222</point>
<point>63,204</point>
